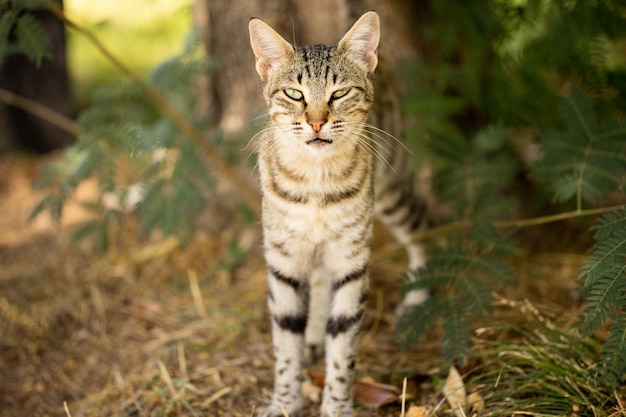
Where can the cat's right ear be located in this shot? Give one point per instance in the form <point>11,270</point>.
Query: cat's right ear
<point>269,47</point>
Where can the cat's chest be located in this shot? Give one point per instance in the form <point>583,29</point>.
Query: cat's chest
<point>315,203</point>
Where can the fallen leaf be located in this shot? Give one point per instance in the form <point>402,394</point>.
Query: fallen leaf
<point>475,400</point>
<point>375,395</point>
<point>311,391</point>
<point>370,394</point>
<point>415,411</point>
<point>454,391</point>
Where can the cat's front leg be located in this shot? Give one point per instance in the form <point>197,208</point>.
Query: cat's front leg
<point>288,300</point>
<point>348,295</point>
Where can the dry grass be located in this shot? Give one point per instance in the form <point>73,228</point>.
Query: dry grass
<point>156,329</point>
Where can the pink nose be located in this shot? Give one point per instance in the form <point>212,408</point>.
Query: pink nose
<point>317,124</point>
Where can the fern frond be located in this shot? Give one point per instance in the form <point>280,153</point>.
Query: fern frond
<point>610,223</point>
<point>474,187</point>
<point>603,299</point>
<point>32,39</point>
<point>419,319</point>
<point>602,285</point>
<point>612,363</point>
<point>176,72</point>
<point>587,162</point>
<point>53,204</point>
<point>457,330</point>
<point>463,274</point>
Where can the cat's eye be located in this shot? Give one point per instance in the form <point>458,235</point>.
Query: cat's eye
<point>339,93</point>
<point>294,94</point>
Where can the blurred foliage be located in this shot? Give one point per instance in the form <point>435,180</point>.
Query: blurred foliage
<point>21,33</point>
<point>141,158</point>
<point>554,72</point>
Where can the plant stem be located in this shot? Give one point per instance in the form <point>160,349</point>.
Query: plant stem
<point>217,162</point>
<point>40,111</point>
<point>515,224</point>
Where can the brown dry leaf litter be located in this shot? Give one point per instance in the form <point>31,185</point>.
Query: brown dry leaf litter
<point>157,328</point>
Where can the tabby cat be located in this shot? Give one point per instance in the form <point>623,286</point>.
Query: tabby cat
<point>325,171</point>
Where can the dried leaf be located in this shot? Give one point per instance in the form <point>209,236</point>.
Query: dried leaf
<point>476,401</point>
<point>415,411</point>
<point>370,394</point>
<point>454,391</point>
<point>375,395</point>
<point>311,391</point>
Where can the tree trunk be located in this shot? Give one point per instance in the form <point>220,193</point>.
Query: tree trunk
<point>47,85</point>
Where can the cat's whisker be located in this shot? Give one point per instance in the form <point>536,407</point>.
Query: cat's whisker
<point>379,134</point>
<point>383,151</point>
<point>382,148</point>
<point>253,119</point>
<point>364,141</point>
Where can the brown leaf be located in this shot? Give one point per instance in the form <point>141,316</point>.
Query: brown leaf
<point>370,394</point>
<point>311,391</point>
<point>475,400</point>
<point>415,411</point>
<point>454,391</point>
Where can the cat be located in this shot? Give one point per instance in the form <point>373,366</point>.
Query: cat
<point>325,171</point>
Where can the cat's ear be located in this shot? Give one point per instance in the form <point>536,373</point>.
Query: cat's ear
<point>269,47</point>
<point>361,41</point>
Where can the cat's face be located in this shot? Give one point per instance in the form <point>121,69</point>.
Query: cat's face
<point>318,95</point>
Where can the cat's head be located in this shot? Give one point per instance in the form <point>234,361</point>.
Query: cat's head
<point>318,94</point>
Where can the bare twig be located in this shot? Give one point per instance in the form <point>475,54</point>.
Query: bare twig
<point>40,111</point>
<point>67,409</point>
<point>404,383</point>
<point>514,224</point>
<point>196,294</point>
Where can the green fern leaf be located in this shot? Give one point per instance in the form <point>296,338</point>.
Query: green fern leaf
<point>419,319</point>
<point>602,285</point>
<point>32,39</point>
<point>51,203</point>
<point>613,360</point>
<point>462,274</point>
<point>587,162</point>
<point>610,223</point>
<point>457,337</point>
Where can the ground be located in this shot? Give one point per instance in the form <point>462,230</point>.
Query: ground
<point>158,328</point>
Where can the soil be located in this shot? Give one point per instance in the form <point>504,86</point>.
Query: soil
<point>156,328</point>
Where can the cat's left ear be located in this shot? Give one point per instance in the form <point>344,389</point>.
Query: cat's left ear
<point>361,41</point>
<point>269,47</point>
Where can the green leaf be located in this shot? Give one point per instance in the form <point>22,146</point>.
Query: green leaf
<point>588,161</point>
<point>32,39</point>
<point>613,359</point>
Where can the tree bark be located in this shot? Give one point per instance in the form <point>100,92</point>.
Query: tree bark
<point>47,85</point>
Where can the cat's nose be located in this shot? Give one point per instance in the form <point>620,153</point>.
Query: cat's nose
<point>317,124</point>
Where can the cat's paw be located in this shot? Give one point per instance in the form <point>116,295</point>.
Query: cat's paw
<point>411,300</point>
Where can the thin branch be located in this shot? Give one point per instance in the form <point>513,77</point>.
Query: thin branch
<point>217,162</point>
<point>40,111</point>
<point>514,224</point>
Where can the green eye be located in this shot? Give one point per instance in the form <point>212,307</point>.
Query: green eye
<point>339,93</point>
<point>293,94</point>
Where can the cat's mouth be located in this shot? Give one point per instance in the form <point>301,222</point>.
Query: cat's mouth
<point>319,142</point>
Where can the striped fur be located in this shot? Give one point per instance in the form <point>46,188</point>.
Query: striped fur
<point>319,159</point>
